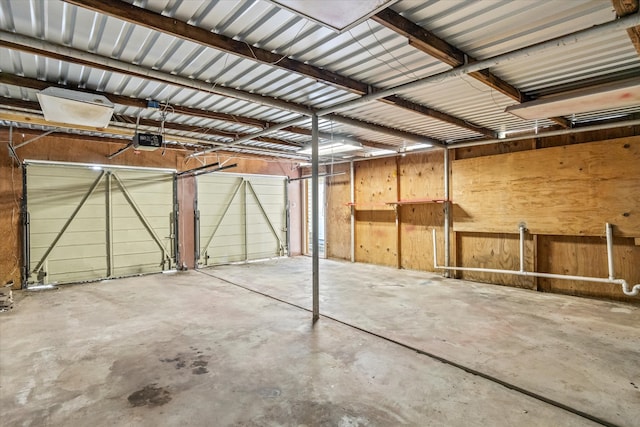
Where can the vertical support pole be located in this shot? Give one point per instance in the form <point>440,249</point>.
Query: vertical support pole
<point>245,215</point>
<point>522,231</point>
<point>396,210</point>
<point>447,213</point>
<point>176,222</point>
<point>287,213</point>
<point>108,224</point>
<point>315,226</point>
<point>196,225</point>
<point>26,232</point>
<point>352,186</point>
<point>609,234</point>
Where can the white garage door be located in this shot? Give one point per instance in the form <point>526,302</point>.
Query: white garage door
<point>240,218</point>
<point>87,223</point>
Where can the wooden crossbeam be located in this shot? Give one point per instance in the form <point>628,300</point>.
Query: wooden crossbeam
<point>185,31</point>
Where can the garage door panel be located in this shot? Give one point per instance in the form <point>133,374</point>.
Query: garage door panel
<point>237,213</point>
<point>106,237</point>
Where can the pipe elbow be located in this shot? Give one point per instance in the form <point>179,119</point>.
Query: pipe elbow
<point>634,291</point>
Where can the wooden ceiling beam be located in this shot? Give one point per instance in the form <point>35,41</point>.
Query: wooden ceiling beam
<point>35,106</point>
<point>35,84</point>
<point>426,41</point>
<point>422,39</point>
<point>624,8</point>
<point>185,31</point>
<point>164,24</point>
<point>123,100</point>
<point>400,102</point>
<point>119,118</point>
<point>11,79</point>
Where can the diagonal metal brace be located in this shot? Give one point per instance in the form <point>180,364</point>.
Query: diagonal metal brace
<point>69,221</point>
<point>273,230</point>
<point>224,213</point>
<point>141,217</point>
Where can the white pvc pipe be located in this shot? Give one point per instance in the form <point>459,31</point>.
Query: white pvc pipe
<point>634,291</point>
<point>566,40</point>
<point>522,230</point>
<point>609,234</point>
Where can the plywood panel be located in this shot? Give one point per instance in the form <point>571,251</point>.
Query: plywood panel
<point>422,176</point>
<point>376,232</point>
<point>376,237</point>
<point>338,214</point>
<point>416,225</point>
<point>498,251</point>
<point>569,190</point>
<point>376,184</point>
<point>494,149</point>
<point>587,256</point>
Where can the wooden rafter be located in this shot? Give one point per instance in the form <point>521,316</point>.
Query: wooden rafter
<point>624,8</point>
<point>123,100</point>
<point>37,84</point>
<point>185,31</point>
<point>422,39</point>
<point>34,106</point>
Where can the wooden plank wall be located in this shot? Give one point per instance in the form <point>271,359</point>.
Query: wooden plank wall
<point>568,190</point>
<point>376,234</point>
<point>338,213</point>
<point>587,256</point>
<point>378,239</point>
<point>83,149</point>
<point>500,251</point>
<point>486,214</point>
<point>605,163</point>
<point>421,177</point>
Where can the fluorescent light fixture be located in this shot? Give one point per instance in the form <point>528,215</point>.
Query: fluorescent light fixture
<point>332,148</point>
<point>381,152</point>
<point>417,146</point>
<point>625,93</point>
<point>339,15</point>
<point>75,108</point>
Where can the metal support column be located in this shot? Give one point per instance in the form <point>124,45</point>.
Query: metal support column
<point>447,214</point>
<point>352,186</point>
<point>244,221</point>
<point>108,224</point>
<point>175,222</point>
<point>26,244</point>
<point>315,222</point>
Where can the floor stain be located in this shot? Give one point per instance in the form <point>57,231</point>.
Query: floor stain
<point>199,367</point>
<point>150,396</point>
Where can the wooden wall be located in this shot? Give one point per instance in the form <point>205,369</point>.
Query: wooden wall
<point>567,190</point>
<point>420,178</point>
<point>338,213</point>
<point>81,149</point>
<point>562,188</point>
<point>379,238</point>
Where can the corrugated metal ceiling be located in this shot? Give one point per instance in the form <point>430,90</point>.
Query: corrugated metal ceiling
<point>369,53</point>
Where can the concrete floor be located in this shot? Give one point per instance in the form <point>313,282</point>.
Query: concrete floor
<point>189,349</point>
